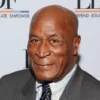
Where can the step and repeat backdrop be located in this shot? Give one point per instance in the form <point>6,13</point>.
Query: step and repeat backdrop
<point>15,18</point>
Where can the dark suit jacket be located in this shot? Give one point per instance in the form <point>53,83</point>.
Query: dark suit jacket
<point>21,86</point>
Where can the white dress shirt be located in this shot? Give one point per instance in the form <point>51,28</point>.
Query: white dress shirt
<point>56,88</point>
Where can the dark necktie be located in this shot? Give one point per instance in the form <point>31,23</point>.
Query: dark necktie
<point>46,92</point>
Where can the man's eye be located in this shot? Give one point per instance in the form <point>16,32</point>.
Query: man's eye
<point>54,41</point>
<point>34,40</point>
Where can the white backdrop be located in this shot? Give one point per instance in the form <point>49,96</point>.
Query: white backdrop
<point>14,33</point>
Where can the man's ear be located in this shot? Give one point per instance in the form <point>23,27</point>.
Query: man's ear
<point>76,43</point>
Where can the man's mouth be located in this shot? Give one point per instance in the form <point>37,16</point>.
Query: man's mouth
<point>43,65</point>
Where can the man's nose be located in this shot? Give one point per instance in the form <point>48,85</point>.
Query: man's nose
<point>43,50</point>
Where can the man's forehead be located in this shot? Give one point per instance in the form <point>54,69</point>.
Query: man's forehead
<point>54,11</point>
<point>55,14</point>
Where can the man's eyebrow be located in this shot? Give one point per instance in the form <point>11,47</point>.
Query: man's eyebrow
<point>32,35</point>
<point>56,35</point>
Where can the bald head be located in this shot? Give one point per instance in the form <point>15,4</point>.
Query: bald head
<point>57,13</point>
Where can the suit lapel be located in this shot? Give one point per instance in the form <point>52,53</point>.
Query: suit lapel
<point>72,90</point>
<point>28,91</point>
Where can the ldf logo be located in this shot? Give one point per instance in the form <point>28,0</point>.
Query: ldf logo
<point>91,5</point>
<point>7,2</point>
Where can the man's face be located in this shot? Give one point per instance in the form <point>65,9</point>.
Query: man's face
<point>50,49</point>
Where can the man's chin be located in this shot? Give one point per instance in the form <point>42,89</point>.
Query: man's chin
<point>44,79</point>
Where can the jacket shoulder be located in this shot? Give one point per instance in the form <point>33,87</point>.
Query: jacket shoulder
<point>16,79</point>
<point>89,79</point>
<point>90,87</point>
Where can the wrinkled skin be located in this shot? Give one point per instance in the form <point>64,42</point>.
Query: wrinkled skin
<point>53,43</point>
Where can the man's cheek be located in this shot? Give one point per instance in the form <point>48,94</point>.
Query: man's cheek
<point>60,52</point>
<point>31,51</point>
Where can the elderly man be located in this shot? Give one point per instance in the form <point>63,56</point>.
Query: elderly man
<point>53,54</point>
